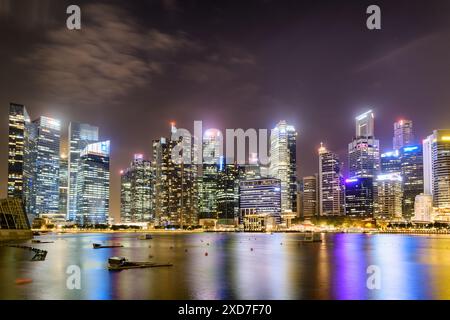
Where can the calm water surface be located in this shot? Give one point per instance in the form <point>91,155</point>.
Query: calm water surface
<point>279,267</point>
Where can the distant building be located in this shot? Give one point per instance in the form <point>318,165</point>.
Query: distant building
<point>93,184</point>
<point>63,184</point>
<point>388,196</point>
<point>412,175</point>
<point>331,184</point>
<point>436,155</point>
<point>136,191</point>
<point>309,196</point>
<point>46,166</point>
<point>423,208</point>
<point>359,197</point>
<point>80,135</point>
<point>283,163</point>
<point>403,134</point>
<point>260,204</point>
<point>391,162</point>
<point>364,150</point>
<point>228,193</point>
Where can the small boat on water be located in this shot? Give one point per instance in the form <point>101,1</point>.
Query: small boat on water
<point>100,246</point>
<point>310,237</point>
<point>121,263</point>
<point>145,237</point>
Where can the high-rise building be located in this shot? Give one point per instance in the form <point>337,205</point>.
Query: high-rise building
<point>175,186</point>
<point>260,204</point>
<point>331,184</point>
<point>80,135</point>
<point>403,134</point>
<point>364,150</point>
<point>18,122</point>
<point>388,196</point>
<point>46,179</point>
<point>391,162</point>
<point>63,184</point>
<point>359,197</point>
<point>212,142</point>
<point>436,154</point>
<point>125,196</point>
<point>283,163</point>
<point>228,193</point>
<point>137,185</point>
<point>412,177</point>
<point>423,208</point>
<point>93,184</point>
<point>309,197</point>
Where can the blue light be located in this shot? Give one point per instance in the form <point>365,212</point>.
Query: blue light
<point>409,149</point>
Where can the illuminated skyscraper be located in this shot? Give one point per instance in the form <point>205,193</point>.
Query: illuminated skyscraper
<point>228,193</point>
<point>212,157</point>
<point>436,156</point>
<point>80,135</point>
<point>63,183</point>
<point>391,162</point>
<point>46,180</point>
<point>93,180</point>
<point>18,122</point>
<point>388,196</point>
<point>260,204</point>
<point>364,150</point>
<point>137,185</point>
<point>359,197</point>
<point>175,186</point>
<point>283,163</point>
<point>403,134</point>
<point>412,177</point>
<point>331,184</point>
<point>309,197</point>
<point>423,208</point>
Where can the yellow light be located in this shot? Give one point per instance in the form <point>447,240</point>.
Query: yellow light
<point>446,138</point>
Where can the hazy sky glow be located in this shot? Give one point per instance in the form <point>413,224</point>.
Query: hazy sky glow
<point>137,65</point>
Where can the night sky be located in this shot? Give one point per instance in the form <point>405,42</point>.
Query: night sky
<point>137,65</point>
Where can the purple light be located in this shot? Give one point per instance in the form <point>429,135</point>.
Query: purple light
<point>351,180</point>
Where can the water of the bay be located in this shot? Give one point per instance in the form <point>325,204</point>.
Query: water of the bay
<point>236,266</point>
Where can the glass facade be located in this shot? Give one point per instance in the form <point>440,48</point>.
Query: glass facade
<point>331,184</point>
<point>359,197</point>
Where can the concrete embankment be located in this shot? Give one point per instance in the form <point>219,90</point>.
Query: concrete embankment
<point>10,235</point>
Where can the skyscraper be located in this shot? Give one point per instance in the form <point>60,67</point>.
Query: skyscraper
<point>212,142</point>
<point>412,177</point>
<point>388,196</point>
<point>46,180</point>
<point>331,184</point>
<point>364,150</point>
<point>283,163</point>
<point>63,183</point>
<point>403,134</point>
<point>391,162</point>
<point>228,193</point>
<point>260,203</point>
<point>423,208</point>
<point>80,135</point>
<point>309,197</point>
<point>18,121</point>
<point>137,185</point>
<point>359,197</point>
<point>436,156</point>
<point>93,180</point>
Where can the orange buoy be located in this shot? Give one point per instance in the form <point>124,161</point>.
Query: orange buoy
<point>206,254</point>
<point>23,281</point>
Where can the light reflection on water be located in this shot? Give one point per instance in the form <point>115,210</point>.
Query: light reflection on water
<point>238,266</point>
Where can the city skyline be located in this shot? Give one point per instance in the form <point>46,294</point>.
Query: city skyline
<point>254,86</point>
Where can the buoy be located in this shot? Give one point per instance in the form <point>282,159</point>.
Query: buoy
<point>281,243</point>
<point>171,248</point>
<point>23,281</point>
<point>206,254</point>
<point>149,246</point>
<point>207,244</point>
<point>185,250</point>
<point>251,249</point>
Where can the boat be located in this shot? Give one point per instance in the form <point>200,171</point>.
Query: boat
<point>121,263</point>
<point>39,241</point>
<point>145,237</point>
<point>100,246</point>
<point>310,237</point>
